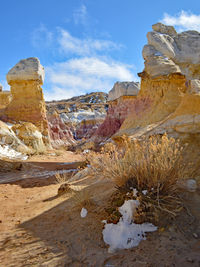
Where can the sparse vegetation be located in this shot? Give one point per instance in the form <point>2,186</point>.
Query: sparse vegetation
<point>83,198</point>
<point>146,170</point>
<point>61,178</point>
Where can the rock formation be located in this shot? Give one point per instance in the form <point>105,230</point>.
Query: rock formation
<point>30,136</point>
<point>123,89</point>
<point>9,141</point>
<point>121,102</point>
<point>171,84</point>
<point>78,117</point>
<point>169,52</point>
<point>27,103</point>
<point>60,133</point>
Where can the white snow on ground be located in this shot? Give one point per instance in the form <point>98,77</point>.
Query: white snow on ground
<point>86,151</point>
<point>144,192</point>
<point>135,192</point>
<point>126,234</point>
<point>83,213</point>
<point>6,151</point>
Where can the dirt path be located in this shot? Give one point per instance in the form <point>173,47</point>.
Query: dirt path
<point>39,229</point>
<point>45,166</point>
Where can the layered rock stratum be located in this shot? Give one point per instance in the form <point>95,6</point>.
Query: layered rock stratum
<point>27,104</point>
<point>23,110</point>
<point>76,118</point>
<point>121,99</point>
<point>170,83</point>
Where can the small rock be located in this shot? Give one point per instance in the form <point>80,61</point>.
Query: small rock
<point>189,260</point>
<point>64,188</point>
<point>195,235</point>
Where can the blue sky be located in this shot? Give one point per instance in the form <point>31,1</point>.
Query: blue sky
<point>85,45</point>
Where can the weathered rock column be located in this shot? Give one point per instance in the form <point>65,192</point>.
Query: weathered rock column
<point>28,104</point>
<point>121,99</point>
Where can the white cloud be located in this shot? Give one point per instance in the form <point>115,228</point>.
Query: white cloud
<point>80,15</point>
<point>89,70</point>
<point>41,37</point>
<point>87,74</point>
<point>183,21</point>
<point>73,45</point>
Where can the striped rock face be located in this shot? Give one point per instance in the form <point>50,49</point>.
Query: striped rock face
<point>27,103</point>
<point>170,83</point>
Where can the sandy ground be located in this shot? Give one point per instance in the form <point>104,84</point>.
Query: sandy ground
<point>37,228</point>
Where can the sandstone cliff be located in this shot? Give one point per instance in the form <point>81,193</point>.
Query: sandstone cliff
<point>78,117</point>
<point>121,100</point>
<point>170,83</point>
<point>60,133</point>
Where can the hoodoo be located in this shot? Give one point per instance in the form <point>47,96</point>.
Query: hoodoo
<point>27,103</point>
<point>170,83</point>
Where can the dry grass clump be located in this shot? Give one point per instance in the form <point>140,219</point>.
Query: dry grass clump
<point>152,167</point>
<point>61,178</point>
<point>83,198</point>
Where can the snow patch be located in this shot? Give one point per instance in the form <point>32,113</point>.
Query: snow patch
<point>86,151</point>
<point>135,192</point>
<point>83,213</point>
<point>126,234</point>
<point>144,192</point>
<point>6,151</point>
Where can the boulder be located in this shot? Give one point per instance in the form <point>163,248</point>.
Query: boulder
<point>158,65</point>
<point>8,141</point>
<point>30,136</point>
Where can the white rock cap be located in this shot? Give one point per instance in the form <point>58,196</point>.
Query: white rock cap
<point>170,52</point>
<point>26,69</point>
<point>123,88</point>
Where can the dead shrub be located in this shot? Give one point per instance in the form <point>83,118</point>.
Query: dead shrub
<point>152,167</point>
<point>83,198</point>
<point>61,178</point>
